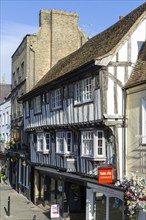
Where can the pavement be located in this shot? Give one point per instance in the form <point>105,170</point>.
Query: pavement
<point>20,207</point>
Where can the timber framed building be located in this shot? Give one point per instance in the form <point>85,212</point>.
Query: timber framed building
<point>75,120</point>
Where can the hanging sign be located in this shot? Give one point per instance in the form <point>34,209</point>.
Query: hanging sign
<point>55,211</point>
<point>105,175</point>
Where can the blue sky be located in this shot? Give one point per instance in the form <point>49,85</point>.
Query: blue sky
<point>19,18</point>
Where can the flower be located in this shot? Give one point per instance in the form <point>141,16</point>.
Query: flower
<point>135,194</point>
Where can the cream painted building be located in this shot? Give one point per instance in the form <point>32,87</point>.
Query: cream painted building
<point>136,117</point>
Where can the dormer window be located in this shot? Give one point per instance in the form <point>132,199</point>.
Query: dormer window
<point>83,91</point>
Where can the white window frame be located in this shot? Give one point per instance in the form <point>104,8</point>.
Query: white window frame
<point>40,140</point>
<point>56,99</point>
<point>41,136</point>
<point>87,138</point>
<point>143,121</point>
<point>63,138</point>
<point>47,142</point>
<point>37,104</point>
<point>94,152</point>
<point>83,91</point>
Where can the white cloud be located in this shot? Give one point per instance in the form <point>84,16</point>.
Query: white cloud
<point>11,36</point>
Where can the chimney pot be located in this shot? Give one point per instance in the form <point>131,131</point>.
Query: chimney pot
<point>121,17</point>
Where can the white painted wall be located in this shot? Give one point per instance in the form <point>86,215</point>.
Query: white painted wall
<point>5,109</point>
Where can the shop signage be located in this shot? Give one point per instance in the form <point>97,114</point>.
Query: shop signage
<point>55,211</point>
<point>105,175</point>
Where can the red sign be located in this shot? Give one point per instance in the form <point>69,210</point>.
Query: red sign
<point>105,174</point>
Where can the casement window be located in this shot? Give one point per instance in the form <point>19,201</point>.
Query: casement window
<point>37,104</point>
<point>87,143</point>
<point>43,142</point>
<point>40,141</point>
<point>27,109</point>
<point>143,121</point>
<point>83,91</point>
<point>56,99</point>
<point>64,142</point>
<point>93,144</point>
<point>47,142</point>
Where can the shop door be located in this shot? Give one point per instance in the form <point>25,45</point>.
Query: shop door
<point>101,207</point>
<point>46,190</point>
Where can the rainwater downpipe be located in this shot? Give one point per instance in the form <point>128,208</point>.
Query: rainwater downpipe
<point>124,130</point>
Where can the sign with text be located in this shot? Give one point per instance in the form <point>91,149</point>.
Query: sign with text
<point>105,174</point>
<point>54,211</point>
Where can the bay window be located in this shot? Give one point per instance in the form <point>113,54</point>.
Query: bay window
<point>93,144</point>
<point>43,142</point>
<point>64,142</point>
<point>83,91</point>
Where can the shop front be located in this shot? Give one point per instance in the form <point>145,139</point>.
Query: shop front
<point>104,202</point>
<point>58,188</point>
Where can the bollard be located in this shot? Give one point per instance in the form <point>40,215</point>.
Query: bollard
<point>8,205</point>
<point>34,217</point>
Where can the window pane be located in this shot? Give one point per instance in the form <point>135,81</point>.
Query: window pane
<point>56,101</point>
<point>88,143</point>
<point>60,142</point>
<point>40,141</point>
<point>83,91</point>
<point>100,143</point>
<point>69,141</point>
<point>47,141</point>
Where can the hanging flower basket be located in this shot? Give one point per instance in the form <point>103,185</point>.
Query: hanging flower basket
<point>135,194</point>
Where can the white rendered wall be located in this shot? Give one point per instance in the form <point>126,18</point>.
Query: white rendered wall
<point>5,108</point>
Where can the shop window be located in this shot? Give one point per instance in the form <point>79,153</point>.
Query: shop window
<point>115,208</point>
<point>56,99</point>
<point>83,91</point>
<point>64,142</point>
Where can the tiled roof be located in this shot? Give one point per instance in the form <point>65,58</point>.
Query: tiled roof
<point>139,72</point>
<point>94,49</point>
